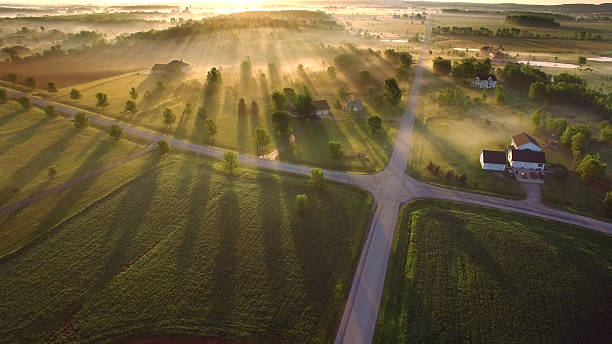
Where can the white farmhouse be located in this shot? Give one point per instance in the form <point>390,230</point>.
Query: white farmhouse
<point>493,160</point>
<point>525,141</point>
<point>485,81</point>
<point>526,159</point>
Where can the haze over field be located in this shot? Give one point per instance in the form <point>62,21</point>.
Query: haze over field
<point>258,2</point>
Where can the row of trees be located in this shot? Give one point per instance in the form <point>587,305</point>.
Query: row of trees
<point>509,32</point>
<point>467,68</point>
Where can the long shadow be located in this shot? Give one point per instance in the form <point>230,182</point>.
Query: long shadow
<point>22,136</point>
<point>224,282</point>
<point>242,133</point>
<point>10,116</point>
<point>50,154</point>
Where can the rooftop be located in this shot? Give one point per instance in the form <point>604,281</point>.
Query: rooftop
<point>321,104</point>
<point>524,138</point>
<point>527,155</point>
<point>493,157</point>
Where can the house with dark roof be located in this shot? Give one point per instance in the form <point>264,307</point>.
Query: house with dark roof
<point>171,68</point>
<point>485,81</point>
<point>493,160</point>
<point>525,141</point>
<point>354,104</point>
<point>526,159</point>
<point>321,107</point>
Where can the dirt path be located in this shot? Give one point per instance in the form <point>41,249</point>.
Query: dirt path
<point>71,182</point>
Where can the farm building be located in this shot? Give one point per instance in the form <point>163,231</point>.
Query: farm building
<point>526,159</point>
<point>525,141</point>
<point>353,104</point>
<point>493,160</point>
<point>174,67</point>
<point>321,107</point>
<point>485,81</point>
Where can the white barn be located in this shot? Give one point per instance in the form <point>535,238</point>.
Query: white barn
<point>493,160</point>
<point>525,141</point>
<point>485,81</point>
<point>526,159</point>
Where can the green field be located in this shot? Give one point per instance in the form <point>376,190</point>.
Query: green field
<point>184,250</point>
<point>460,273</point>
<point>14,118</point>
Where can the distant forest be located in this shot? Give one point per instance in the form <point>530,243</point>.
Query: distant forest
<point>531,20</point>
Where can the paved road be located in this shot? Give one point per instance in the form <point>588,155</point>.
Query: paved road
<point>390,188</point>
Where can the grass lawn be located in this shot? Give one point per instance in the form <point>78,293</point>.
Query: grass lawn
<point>14,118</point>
<point>27,157</point>
<point>460,273</point>
<point>182,250</point>
<point>311,145</point>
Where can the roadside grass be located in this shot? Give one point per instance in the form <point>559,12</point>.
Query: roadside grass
<point>574,195</point>
<point>454,140</point>
<point>461,273</point>
<point>15,118</point>
<point>184,250</point>
<point>311,145</point>
<point>27,157</point>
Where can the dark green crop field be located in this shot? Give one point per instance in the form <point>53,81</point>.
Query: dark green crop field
<point>182,250</point>
<point>464,274</point>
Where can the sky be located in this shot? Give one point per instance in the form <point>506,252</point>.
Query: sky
<point>254,2</point>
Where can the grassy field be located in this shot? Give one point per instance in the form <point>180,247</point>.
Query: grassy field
<point>460,273</point>
<point>14,118</point>
<point>454,140</point>
<point>311,145</point>
<point>184,250</point>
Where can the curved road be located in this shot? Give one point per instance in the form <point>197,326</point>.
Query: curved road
<point>390,189</point>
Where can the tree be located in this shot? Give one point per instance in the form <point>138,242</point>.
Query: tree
<point>608,204</point>
<point>582,60</point>
<point>30,82</point>
<point>500,97</point>
<point>281,120</point>
<point>242,108</point>
<point>279,101</point>
<point>211,129</point>
<point>537,91</point>
<point>133,93</point>
<point>591,168</point>
<point>163,147</point>
<point>301,203</point>
<point>24,102</point>
<point>442,66</point>
<point>254,108</point>
<point>3,96</point>
<point>213,76</point>
<point>169,116</point>
<point>536,118</point>
<point>75,94</point>
<point>51,111</point>
<point>51,87</point>
<point>375,123</point>
<point>11,77</point>
<point>392,94</point>
<point>52,172</point>
<point>579,142</point>
<point>484,95</point>
<point>115,131</point>
<point>230,162</point>
<point>605,133</point>
<point>81,120</point>
<point>335,149</point>
<point>263,139</point>
<point>102,100</point>
<point>130,106</point>
<point>303,105</point>
<point>572,130</point>
<point>316,178</point>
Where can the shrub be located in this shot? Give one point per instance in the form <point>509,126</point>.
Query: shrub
<point>335,149</point>
<point>81,120</point>
<point>316,178</point>
<point>51,111</point>
<point>115,131</point>
<point>163,147</point>
<point>301,203</point>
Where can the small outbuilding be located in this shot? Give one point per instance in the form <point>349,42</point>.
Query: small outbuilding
<point>526,159</point>
<point>321,107</point>
<point>353,104</point>
<point>525,141</point>
<point>493,160</point>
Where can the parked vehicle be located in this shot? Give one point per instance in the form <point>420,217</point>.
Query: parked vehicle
<point>533,175</point>
<point>542,175</point>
